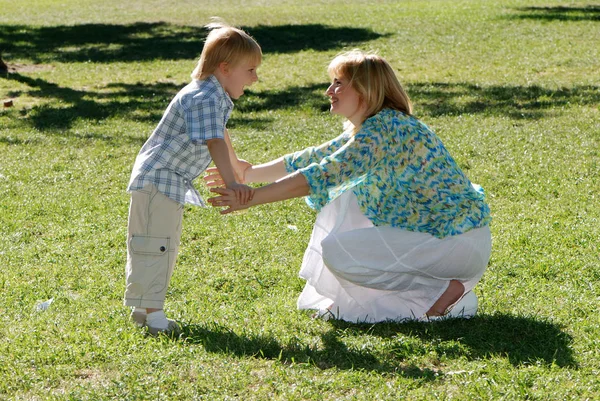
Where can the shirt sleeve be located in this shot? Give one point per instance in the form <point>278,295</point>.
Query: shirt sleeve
<point>350,163</point>
<point>303,158</point>
<point>205,120</point>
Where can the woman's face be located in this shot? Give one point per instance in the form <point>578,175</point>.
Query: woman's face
<point>345,101</point>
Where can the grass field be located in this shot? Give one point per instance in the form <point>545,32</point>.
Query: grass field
<point>513,89</point>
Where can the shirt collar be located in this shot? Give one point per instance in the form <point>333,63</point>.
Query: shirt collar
<point>222,94</point>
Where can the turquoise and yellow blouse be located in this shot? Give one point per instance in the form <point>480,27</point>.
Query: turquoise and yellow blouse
<point>401,174</point>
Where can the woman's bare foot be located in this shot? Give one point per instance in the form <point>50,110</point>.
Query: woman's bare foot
<point>452,294</point>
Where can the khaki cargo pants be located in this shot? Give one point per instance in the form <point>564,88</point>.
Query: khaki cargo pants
<point>153,236</point>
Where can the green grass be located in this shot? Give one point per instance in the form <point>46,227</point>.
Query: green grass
<point>513,89</point>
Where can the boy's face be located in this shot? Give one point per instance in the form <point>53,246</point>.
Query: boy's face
<point>237,77</point>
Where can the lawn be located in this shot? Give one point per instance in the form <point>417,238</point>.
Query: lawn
<point>511,87</point>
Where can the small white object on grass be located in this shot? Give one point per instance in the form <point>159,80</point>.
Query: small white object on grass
<point>44,305</point>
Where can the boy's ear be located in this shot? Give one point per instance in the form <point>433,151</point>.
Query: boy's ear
<point>224,68</point>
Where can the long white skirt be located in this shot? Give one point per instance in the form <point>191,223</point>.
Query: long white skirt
<point>372,274</point>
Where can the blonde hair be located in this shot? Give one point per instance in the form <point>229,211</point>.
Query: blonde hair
<point>225,44</point>
<point>374,79</point>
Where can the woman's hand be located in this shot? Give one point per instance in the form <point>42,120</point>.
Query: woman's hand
<point>212,178</point>
<point>240,167</point>
<point>228,199</point>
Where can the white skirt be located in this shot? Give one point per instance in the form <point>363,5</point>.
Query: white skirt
<point>372,274</point>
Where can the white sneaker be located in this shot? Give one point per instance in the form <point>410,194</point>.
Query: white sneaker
<point>139,319</point>
<point>172,328</point>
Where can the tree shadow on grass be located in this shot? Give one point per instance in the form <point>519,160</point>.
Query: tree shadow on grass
<point>441,99</point>
<point>64,106</point>
<point>520,340</point>
<point>559,13</point>
<point>302,97</point>
<point>142,41</point>
<point>145,102</point>
<point>518,102</point>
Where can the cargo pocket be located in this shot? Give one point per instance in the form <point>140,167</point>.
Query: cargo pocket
<point>145,245</point>
<point>150,265</point>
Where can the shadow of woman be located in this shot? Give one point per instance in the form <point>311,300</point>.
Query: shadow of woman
<point>521,340</point>
<point>332,352</point>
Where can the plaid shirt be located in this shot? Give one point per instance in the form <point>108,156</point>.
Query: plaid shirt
<point>176,152</point>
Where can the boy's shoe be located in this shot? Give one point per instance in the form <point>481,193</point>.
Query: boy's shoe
<point>173,328</point>
<point>139,319</point>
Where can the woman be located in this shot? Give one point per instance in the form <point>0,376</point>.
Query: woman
<point>401,231</point>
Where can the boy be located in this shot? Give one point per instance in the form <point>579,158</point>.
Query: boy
<point>191,133</point>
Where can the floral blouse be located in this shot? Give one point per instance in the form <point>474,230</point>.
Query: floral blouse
<point>401,174</point>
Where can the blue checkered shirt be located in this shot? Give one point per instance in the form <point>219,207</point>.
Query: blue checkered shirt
<point>176,152</point>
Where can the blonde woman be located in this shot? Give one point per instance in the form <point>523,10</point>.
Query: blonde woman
<point>401,232</point>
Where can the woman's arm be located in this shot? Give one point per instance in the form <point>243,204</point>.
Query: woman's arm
<point>267,172</point>
<point>352,160</point>
<point>291,186</point>
<point>314,154</point>
<point>276,169</point>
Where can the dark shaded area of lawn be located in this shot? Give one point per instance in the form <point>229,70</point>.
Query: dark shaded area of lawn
<point>515,101</point>
<point>106,43</point>
<point>560,13</point>
<point>146,101</point>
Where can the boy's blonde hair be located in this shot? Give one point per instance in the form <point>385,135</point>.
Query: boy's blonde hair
<point>374,80</point>
<point>225,44</point>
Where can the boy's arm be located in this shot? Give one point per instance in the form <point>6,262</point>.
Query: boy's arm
<point>239,166</point>
<point>220,154</point>
<point>219,151</point>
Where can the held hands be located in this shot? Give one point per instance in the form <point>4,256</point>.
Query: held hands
<point>241,193</point>
<point>227,198</point>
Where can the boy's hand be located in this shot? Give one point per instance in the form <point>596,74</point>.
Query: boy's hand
<point>243,193</point>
